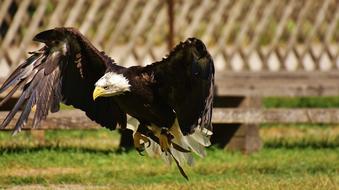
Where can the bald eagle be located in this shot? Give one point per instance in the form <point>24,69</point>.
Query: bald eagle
<point>170,101</point>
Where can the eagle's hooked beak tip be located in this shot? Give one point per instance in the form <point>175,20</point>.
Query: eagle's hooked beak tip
<point>98,91</point>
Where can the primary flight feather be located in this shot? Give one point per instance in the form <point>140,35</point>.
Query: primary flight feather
<point>170,101</point>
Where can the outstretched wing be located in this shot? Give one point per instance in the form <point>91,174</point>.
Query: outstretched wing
<point>64,70</point>
<point>186,82</point>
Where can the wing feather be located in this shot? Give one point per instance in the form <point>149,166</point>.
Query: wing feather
<point>11,93</point>
<point>64,70</point>
<point>20,73</point>
<point>185,80</point>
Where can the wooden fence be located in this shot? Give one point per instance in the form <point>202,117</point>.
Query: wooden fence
<point>241,34</point>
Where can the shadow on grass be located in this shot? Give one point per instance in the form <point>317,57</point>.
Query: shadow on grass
<point>37,148</point>
<point>302,144</point>
<point>94,150</point>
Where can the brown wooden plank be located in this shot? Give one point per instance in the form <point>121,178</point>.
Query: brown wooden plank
<point>277,83</point>
<point>66,119</point>
<point>276,115</point>
<point>246,138</point>
<point>76,119</point>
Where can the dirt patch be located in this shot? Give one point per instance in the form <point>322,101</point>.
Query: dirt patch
<point>57,187</point>
<point>18,172</point>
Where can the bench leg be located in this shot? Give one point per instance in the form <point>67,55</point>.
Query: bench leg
<point>239,137</point>
<point>246,139</point>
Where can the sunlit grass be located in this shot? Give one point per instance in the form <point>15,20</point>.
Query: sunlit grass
<point>66,107</point>
<point>293,157</point>
<point>102,139</point>
<point>300,136</point>
<point>89,159</point>
<point>301,102</point>
<point>269,168</point>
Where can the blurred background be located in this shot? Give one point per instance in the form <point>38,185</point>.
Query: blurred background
<point>276,104</point>
<point>241,35</point>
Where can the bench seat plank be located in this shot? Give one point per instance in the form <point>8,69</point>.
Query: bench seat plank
<point>76,119</point>
<point>279,84</point>
<point>276,115</point>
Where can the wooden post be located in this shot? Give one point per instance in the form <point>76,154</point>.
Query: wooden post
<point>246,138</point>
<point>237,137</point>
<point>170,11</point>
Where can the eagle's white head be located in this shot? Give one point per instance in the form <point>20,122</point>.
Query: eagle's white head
<point>111,84</point>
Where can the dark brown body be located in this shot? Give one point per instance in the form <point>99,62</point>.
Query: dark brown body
<point>143,101</point>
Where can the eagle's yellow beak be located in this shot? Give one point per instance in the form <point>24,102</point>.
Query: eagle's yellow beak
<point>98,91</point>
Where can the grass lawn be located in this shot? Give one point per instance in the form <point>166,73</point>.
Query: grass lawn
<point>294,158</point>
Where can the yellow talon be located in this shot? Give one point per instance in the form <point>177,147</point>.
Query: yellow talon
<point>164,142</point>
<point>145,139</point>
<point>137,138</point>
<point>33,108</point>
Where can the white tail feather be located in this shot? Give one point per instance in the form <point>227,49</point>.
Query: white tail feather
<point>195,142</point>
<point>195,146</point>
<point>202,137</point>
<point>153,149</point>
<point>132,124</point>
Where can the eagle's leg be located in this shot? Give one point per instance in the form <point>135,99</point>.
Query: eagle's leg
<point>165,140</point>
<point>138,137</point>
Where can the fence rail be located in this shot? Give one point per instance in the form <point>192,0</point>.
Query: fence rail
<point>76,119</point>
<point>241,34</point>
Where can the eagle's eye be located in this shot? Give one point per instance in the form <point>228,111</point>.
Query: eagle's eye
<point>106,87</point>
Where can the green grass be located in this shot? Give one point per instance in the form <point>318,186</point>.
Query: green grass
<point>89,159</point>
<point>279,168</point>
<point>301,102</point>
<point>300,136</point>
<point>66,107</point>
<point>293,157</point>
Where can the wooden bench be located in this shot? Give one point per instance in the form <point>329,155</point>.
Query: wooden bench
<point>238,110</point>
